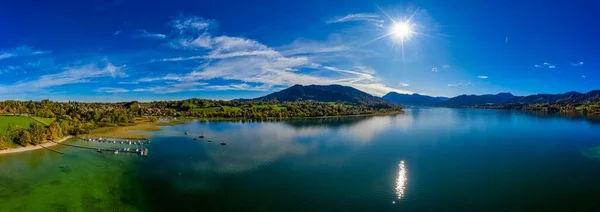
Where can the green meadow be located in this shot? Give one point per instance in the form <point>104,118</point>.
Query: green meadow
<point>22,121</point>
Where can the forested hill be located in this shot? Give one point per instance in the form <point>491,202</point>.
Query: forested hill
<point>477,100</point>
<point>413,99</point>
<point>565,98</point>
<point>322,93</point>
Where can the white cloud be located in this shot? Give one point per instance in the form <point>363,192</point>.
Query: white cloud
<point>239,87</point>
<point>249,61</point>
<point>305,47</point>
<point>403,84</point>
<point>21,51</point>
<point>368,17</point>
<point>193,23</point>
<point>446,66</point>
<point>117,32</point>
<point>459,84</point>
<point>434,69</point>
<point>545,65</point>
<point>583,76</point>
<point>362,76</point>
<point>577,64</point>
<point>71,75</point>
<point>8,69</point>
<point>366,69</point>
<point>111,90</point>
<point>129,83</point>
<point>173,88</point>
<point>146,34</point>
<point>6,55</point>
<point>482,77</point>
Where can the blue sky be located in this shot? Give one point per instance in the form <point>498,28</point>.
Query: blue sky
<point>118,50</point>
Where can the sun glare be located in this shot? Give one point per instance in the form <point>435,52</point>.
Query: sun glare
<point>401,30</point>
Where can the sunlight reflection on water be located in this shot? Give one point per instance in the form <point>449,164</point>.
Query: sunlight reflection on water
<point>401,180</point>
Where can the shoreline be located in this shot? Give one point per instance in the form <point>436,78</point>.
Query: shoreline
<point>296,118</point>
<point>30,148</point>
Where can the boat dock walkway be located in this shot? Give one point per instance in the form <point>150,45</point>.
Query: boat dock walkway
<point>59,152</point>
<point>143,152</point>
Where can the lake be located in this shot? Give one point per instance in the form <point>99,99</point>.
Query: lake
<point>433,159</point>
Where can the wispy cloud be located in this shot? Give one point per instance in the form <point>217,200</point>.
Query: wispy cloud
<point>111,90</point>
<point>366,69</point>
<point>128,83</point>
<point>239,87</point>
<point>446,66</point>
<point>71,75</point>
<point>303,47</point>
<point>173,88</point>
<point>361,76</point>
<point>368,17</point>
<point>482,77</point>
<point>256,65</point>
<point>583,76</point>
<point>403,84</point>
<point>434,69</point>
<point>462,83</point>
<point>545,65</point>
<point>21,51</point>
<point>579,64</point>
<point>190,23</point>
<point>146,34</point>
<point>117,32</point>
<point>6,55</point>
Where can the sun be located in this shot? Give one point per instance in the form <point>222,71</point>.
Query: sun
<point>401,30</point>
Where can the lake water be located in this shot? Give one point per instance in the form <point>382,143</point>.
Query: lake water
<point>424,160</point>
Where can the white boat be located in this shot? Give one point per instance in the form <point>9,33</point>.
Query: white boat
<point>116,151</point>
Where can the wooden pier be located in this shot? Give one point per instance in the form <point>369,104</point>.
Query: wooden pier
<point>51,149</point>
<point>142,152</point>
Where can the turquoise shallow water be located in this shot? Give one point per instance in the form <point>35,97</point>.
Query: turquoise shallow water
<point>424,160</point>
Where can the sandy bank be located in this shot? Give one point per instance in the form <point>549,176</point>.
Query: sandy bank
<point>29,148</point>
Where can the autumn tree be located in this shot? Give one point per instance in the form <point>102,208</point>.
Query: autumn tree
<point>54,131</point>
<point>24,138</point>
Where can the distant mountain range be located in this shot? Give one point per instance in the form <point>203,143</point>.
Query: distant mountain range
<point>565,98</point>
<point>339,93</point>
<point>413,99</point>
<point>477,100</point>
<point>322,93</point>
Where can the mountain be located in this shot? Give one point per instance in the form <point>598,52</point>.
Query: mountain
<point>565,98</point>
<point>322,93</point>
<point>413,99</point>
<point>477,100</point>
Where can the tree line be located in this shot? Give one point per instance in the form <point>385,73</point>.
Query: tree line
<point>74,118</point>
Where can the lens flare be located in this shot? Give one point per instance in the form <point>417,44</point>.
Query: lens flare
<point>402,30</point>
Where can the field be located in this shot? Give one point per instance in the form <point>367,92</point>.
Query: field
<point>21,121</point>
<point>138,131</point>
<point>44,121</point>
